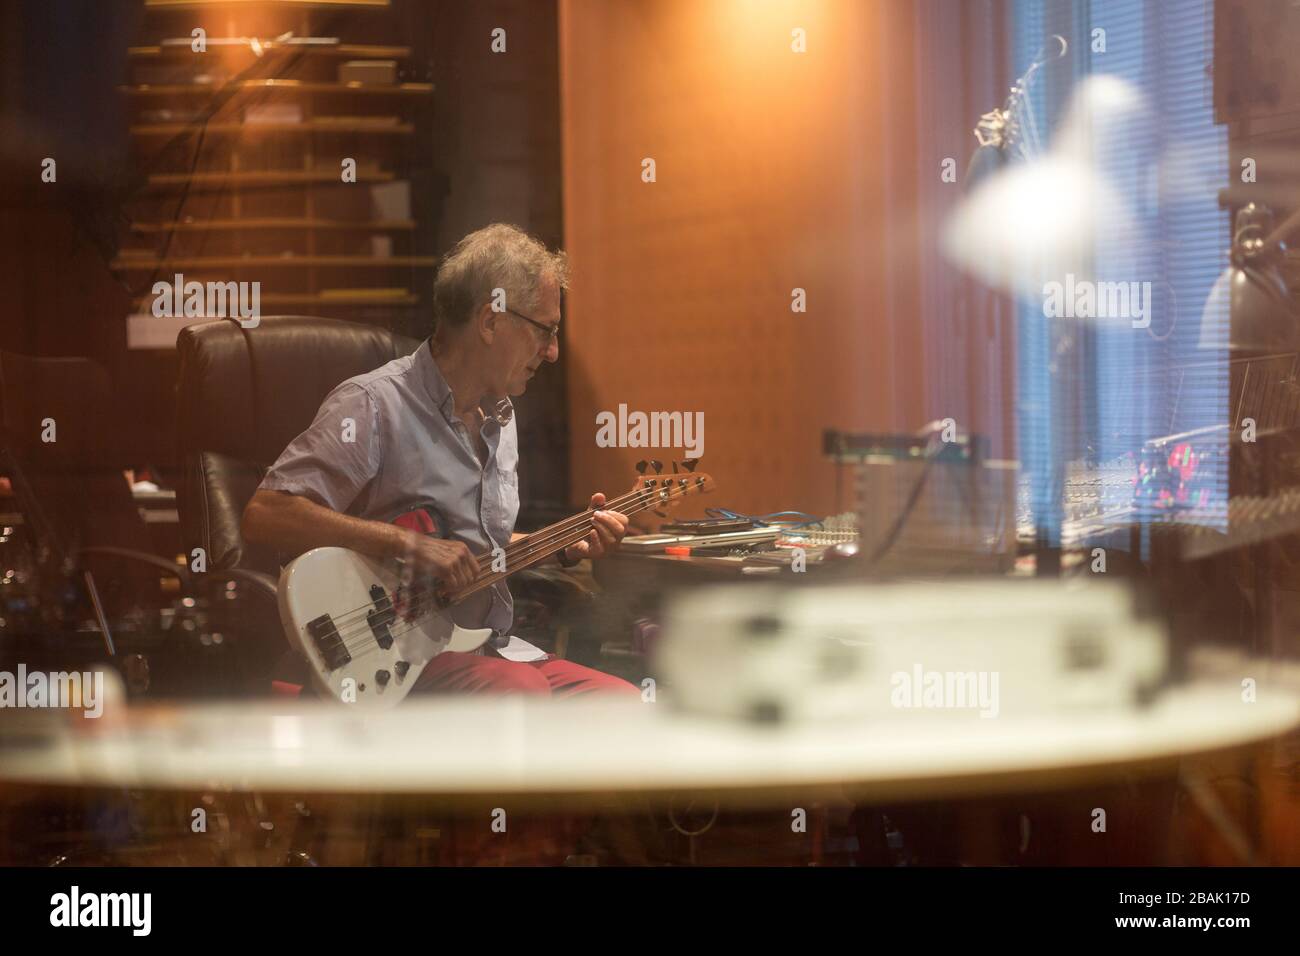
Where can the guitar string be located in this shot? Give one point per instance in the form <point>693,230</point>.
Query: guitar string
<point>518,547</point>
<point>641,500</point>
<point>361,635</point>
<point>545,539</point>
<point>368,644</point>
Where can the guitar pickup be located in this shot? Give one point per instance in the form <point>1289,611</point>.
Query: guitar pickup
<point>382,617</point>
<point>328,642</point>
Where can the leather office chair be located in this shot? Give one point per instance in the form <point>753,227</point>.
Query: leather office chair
<point>243,395</point>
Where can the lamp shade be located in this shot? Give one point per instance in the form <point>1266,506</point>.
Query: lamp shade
<point>1263,315</point>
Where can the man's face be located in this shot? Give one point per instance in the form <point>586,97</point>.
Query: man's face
<point>526,347</point>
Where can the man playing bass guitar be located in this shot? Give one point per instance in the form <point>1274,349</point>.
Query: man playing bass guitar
<point>417,460</point>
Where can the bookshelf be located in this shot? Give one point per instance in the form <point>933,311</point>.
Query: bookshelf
<point>239,151</point>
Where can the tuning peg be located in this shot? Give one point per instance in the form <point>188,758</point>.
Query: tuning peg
<point>690,463</point>
<point>641,466</point>
<point>674,468</point>
<point>657,465</point>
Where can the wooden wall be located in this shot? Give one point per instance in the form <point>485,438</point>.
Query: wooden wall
<point>775,170</point>
<point>497,140</point>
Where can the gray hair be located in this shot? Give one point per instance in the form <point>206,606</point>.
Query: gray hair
<point>497,256</point>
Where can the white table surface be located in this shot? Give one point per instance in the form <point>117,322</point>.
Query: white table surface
<point>516,746</point>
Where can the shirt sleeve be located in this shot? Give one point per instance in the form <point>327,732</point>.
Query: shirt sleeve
<point>337,456</point>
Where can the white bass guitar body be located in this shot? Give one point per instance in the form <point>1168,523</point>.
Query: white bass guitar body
<point>367,632</point>
<point>338,609</point>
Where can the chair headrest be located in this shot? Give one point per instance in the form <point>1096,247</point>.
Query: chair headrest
<point>249,392</point>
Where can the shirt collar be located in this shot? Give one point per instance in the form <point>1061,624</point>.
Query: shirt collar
<point>442,395</point>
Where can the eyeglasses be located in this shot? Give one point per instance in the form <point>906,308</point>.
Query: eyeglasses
<point>552,331</point>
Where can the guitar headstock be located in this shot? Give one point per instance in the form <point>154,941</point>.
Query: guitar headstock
<point>672,486</point>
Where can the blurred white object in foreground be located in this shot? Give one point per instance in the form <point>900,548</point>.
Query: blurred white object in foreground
<point>978,651</point>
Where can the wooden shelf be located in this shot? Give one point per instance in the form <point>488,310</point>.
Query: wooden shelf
<point>284,86</point>
<point>371,128</point>
<point>133,263</point>
<point>232,225</point>
<point>269,178</point>
<point>285,225</point>
<point>360,50</point>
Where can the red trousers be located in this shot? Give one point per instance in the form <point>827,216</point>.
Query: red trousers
<point>455,672</point>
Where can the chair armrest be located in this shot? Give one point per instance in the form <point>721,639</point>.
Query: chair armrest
<point>552,585</point>
<point>262,583</point>
<point>131,554</point>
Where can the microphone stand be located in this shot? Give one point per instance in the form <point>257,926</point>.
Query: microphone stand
<point>1003,127</point>
<point>1007,133</point>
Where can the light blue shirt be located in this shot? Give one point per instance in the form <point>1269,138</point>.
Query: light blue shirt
<point>388,442</point>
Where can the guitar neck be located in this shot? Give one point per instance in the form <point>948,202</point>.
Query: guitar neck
<point>536,547</point>
<point>649,492</point>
